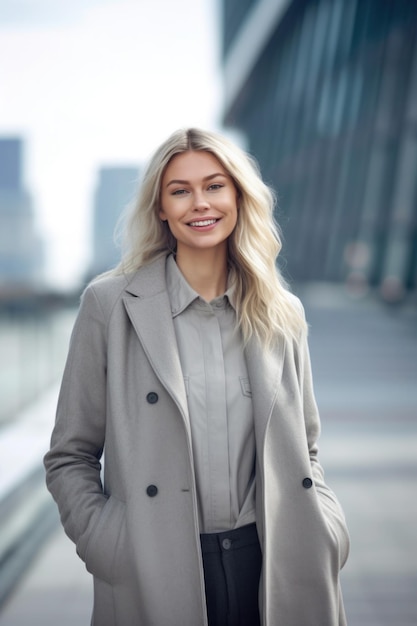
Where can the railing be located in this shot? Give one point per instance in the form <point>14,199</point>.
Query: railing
<point>33,344</point>
<point>27,516</point>
<point>34,336</point>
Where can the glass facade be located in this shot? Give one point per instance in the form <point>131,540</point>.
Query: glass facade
<point>234,14</point>
<point>330,112</point>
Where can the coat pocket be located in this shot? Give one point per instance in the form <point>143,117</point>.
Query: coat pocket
<point>105,548</point>
<point>334,523</point>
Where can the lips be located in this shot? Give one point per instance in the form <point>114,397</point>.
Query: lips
<point>200,223</point>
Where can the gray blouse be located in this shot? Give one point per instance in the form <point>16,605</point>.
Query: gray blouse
<point>219,402</point>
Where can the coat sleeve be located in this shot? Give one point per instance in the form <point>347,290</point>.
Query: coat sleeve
<point>330,506</point>
<point>73,461</point>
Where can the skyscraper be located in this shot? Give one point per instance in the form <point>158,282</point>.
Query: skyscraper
<point>115,189</point>
<point>10,163</point>
<point>21,250</point>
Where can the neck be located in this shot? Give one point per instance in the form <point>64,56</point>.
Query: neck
<point>205,271</point>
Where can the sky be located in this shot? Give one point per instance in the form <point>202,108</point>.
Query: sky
<point>92,83</point>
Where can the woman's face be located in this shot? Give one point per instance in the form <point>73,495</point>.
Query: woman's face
<point>199,201</point>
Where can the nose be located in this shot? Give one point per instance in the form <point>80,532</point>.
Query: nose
<point>200,202</point>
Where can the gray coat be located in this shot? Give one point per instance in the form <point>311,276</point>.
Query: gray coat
<point>123,391</point>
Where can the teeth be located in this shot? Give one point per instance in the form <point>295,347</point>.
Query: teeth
<point>203,223</point>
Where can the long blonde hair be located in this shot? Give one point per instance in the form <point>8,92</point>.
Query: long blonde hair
<point>265,307</point>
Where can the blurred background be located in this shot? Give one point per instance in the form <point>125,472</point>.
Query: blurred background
<point>323,93</point>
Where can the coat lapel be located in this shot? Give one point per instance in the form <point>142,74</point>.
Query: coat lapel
<point>265,372</point>
<point>147,304</point>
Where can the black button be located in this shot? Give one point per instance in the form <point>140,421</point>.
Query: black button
<point>152,490</point>
<point>307,483</point>
<point>152,397</point>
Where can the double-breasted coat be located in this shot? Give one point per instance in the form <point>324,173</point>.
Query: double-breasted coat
<point>134,521</point>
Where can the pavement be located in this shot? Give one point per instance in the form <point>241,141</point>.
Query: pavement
<point>364,360</point>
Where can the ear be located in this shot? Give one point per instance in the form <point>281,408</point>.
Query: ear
<point>162,215</point>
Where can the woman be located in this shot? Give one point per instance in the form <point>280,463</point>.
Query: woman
<point>189,367</point>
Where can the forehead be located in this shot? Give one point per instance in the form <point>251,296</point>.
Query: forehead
<point>193,164</point>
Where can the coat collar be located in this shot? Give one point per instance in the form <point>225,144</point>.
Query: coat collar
<point>148,306</point>
<point>149,280</point>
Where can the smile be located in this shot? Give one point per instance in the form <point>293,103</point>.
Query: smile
<point>203,223</point>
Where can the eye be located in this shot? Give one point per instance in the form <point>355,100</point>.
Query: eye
<point>179,192</point>
<point>215,186</point>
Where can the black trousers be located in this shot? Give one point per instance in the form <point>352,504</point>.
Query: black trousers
<point>232,566</point>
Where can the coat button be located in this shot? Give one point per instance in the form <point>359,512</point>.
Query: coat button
<point>152,397</point>
<point>152,490</point>
<point>307,483</point>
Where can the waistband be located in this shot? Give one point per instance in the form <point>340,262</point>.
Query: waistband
<point>230,539</point>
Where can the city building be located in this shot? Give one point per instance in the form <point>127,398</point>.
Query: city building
<point>116,187</point>
<point>21,249</point>
<point>325,92</point>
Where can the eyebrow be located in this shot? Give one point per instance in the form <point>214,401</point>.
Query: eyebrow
<point>177,181</point>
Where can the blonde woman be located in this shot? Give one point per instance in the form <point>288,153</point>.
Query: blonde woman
<point>189,368</point>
